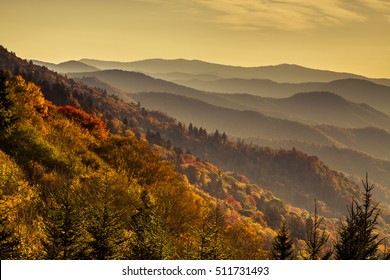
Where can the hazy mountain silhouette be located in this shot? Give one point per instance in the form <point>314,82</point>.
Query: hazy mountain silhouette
<point>67,67</point>
<point>234,122</point>
<point>309,108</point>
<point>135,82</point>
<point>279,73</point>
<point>371,140</point>
<point>178,76</point>
<point>316,108</point>
<point>356,90</point>
<point>362,91</point>
<point>95,82</point>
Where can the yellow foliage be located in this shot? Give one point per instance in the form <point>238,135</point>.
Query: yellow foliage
<point>28,98</point>
<point>246,239</point>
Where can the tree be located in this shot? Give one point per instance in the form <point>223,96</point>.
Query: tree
<point>105,227</point>
<point>357,238</point>
<point>151,241</point>
<point>315,238</point>
<point>211,244</point>
<point>63,228</point>
<point>9,241</point>
<point>283,247</point>
<point>7,118</point>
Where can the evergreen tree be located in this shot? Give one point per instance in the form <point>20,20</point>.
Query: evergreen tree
<point>151,241</point>
<point>7,118</point>
<point>211,244</point>
<point>315,238</point>
<point>283,247</point>
<point>63,228</point>
<point>357,237</point>
<point>9,241</point>
<point>105,227</point>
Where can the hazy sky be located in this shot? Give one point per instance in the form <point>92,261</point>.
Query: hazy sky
<point>341,35</point>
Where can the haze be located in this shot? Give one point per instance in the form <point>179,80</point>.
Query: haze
<point>350,36</point>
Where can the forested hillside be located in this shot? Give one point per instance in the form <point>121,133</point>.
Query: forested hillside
<point>85,175</point>
<point>72,190</point>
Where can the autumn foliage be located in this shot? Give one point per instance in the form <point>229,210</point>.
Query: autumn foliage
<point>85,120</point>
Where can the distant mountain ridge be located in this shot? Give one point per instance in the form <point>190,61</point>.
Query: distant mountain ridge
<point>356,90</point>
<point>67,67</point>
<point>315,108</point>
<point>255,124</point>
<point>268,81</point>
<point>135,82</point>
<point>309,108</point>
<point>282,73</point>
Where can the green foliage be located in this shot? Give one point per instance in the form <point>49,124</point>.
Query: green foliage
<point>151,241</point>
<point>358,239</point>
<point>7,118</point>
<point>63,227</point>
<point>9,240</point>
<point>105,225</point>
<point>283,246</point>
<point>211,244</point>
<point>315,238</point>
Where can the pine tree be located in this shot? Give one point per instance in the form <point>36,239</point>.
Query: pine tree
<point>283,246</point>
<point>315,238</point>
<point>9,241</point>
<point>357,237</point>
<point>105,227</point>
<point>7,118</point>
<point>63,228</point>
<point>151,241</point>
<point>211,244</point>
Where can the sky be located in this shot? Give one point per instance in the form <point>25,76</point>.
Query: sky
<point>339,35</point>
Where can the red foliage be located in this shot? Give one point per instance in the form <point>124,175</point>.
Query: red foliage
<point>85,120</point>
<point>187,159</point>
<point>232,201</point>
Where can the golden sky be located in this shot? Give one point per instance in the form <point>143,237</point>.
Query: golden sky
<point>341,35</point>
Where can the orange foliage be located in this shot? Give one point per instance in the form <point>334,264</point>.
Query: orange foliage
<point>93,124</point>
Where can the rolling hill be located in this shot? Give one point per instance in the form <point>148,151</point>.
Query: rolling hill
<point>279,73</point>
<point>355,90</point>
<point>67,67</point>
<point>315,108</point>
<point>135,82</point>
<point>308,108</point>
<point>233,122</point>
<point>254,124</point>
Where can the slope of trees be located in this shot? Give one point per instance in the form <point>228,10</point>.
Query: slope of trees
<point>51,146</point>
<point>58,165</point>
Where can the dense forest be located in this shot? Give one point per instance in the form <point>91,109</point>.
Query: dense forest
<point>85,175</point>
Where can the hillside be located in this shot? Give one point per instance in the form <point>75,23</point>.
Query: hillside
<point>308,108</point>
<point>119,114</point>
<point>108,89</point>
<point>134,82</point>
<point>314,108</point>
<point>347,160</point>
<point>132,163</point>
<point>254,124</point>
<point>233,122</point>
<point>353,89</point>
<point>60,162</point>
<point>67,67</point>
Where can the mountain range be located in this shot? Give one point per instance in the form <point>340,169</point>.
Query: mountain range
<point>259,186</point>
<point>326,113</point>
